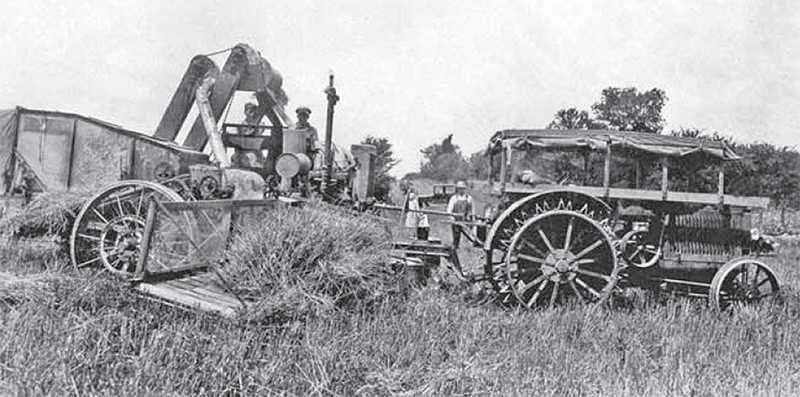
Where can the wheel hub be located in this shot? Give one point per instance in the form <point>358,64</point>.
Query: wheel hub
<point>128,242</point>
<point>119,243</point>
<point>559,267</point>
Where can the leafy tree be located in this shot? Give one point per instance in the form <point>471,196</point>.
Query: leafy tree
<point>564,163</point>
<point>766,170</point>
<point>443,161</point>
<point>478,165</point>
<point>384,162</point>
<point>624,109</point>
<point>438,149</point>
<point>627,109</point>
<point>688,133</point>
<point>573,119</point>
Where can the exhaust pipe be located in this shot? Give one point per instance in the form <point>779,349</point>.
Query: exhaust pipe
<point>330,91</point>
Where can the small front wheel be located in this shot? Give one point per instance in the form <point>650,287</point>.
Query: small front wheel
<point>742,281</point>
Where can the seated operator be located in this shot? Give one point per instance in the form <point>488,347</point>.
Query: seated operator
<point>248,158</point>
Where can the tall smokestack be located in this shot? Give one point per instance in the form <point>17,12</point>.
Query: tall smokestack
<point>330,91</point>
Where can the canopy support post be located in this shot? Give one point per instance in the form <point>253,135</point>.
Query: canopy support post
<point>638,165</point>
<point>664,177</point>
<point>491,166</point>
<point>607,170</point>
<point>505,163</point>
<point>721,184</point>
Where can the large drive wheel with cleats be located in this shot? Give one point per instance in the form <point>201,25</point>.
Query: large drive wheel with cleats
<point>109,228</point>
<point>511,220</point>
<point>561,256</point>
<point>742,281</point>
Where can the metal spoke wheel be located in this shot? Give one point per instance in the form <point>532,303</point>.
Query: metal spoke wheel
<point>506,226</point>
<point>561,256</point>
<point>108,230</point>
<point>637,251</point>
<point>742,281</point>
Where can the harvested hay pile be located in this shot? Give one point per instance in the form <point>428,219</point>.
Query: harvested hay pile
<point>49,214</point>
<point>307,261</point>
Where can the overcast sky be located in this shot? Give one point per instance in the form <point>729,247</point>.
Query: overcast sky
<point>417,71</point>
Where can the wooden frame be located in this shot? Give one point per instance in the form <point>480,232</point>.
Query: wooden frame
<point>239,210</point>
<point>663,195</point>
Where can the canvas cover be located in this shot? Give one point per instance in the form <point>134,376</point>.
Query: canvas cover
<point>655,144</point>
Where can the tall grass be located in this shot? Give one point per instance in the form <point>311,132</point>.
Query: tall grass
<point>61,334</point>
<point>94,338</point>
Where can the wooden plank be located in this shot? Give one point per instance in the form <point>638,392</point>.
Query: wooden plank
<point>607,169</point>
<point>212,291</point>
<point>647,195</point>
<point>401,208</point>
<point>174,206</point>
<point>201,286</point>
<point>211,296</point>
<point>216,296</point>
<point>196,294</point>
<point>207,280</point>
<point>170,294</point>
<point>504,169</point>
<point>148,234</point>
<point>187,282</point>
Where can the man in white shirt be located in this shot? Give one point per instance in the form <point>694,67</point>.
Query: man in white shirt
<point>415,219</point>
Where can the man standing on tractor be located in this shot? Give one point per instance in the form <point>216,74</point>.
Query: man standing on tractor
<point>460,205</point>
<point>312,138</point>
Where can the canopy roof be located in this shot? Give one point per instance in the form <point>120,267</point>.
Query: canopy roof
<point>659,145</point>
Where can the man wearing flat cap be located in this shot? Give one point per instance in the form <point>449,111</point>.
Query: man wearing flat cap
<point>313,137</point>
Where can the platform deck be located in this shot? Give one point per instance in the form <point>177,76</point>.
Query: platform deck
<point>199,291</point>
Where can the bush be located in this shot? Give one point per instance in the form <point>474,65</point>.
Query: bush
<point>776,222</point>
